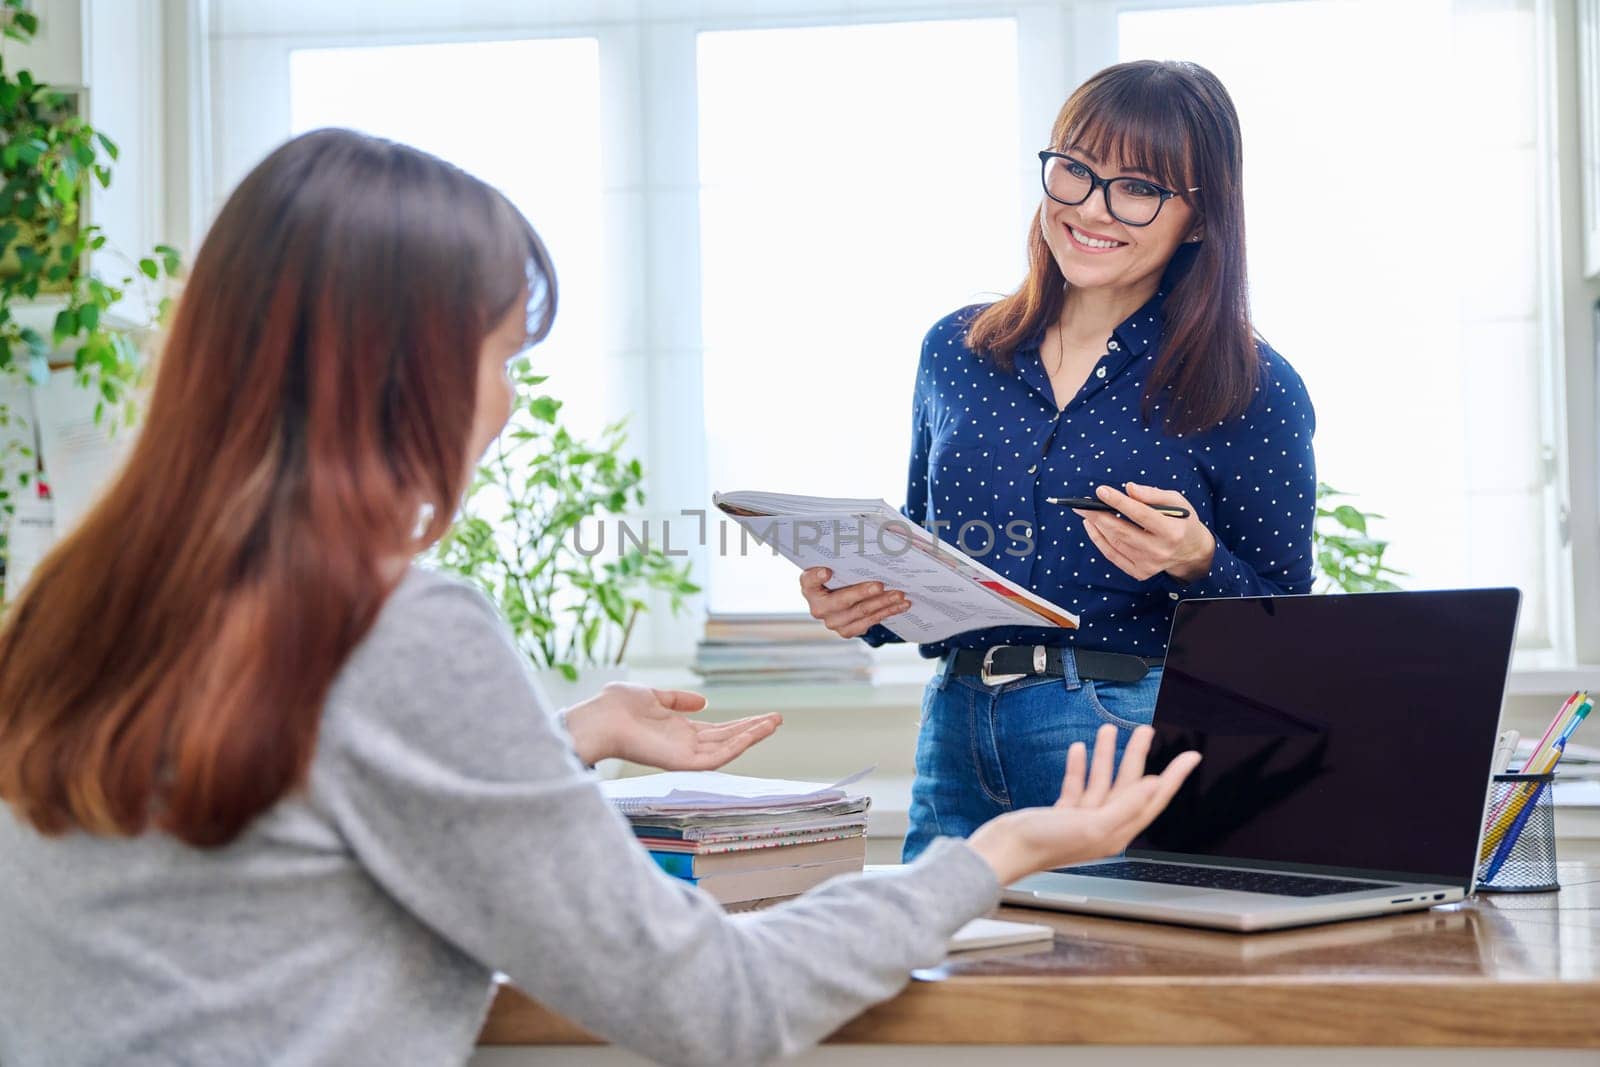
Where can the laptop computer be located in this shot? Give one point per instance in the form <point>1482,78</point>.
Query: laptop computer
<point>1347,743</point>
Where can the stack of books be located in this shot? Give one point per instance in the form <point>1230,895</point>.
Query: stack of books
<point>746,841</point>
<point>763,648</point>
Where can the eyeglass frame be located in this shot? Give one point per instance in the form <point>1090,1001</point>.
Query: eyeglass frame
<point>1104,185</point>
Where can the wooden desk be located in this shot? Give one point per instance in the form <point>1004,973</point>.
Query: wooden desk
<point>1501,970</point>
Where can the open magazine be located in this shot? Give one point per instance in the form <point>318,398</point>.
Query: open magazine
<point>869,541</point>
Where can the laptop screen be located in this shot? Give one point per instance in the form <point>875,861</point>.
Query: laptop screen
<point>1348,731</point>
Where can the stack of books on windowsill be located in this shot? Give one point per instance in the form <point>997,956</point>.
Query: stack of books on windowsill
<point>745,840</point>
<point>763,648</point>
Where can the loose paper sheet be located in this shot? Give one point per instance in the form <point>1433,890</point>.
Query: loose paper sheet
<point>80,456</point>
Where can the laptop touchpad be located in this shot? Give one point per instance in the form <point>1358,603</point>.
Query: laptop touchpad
<point>1108,888</point>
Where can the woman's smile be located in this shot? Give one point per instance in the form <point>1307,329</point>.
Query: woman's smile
<point>1091,243</point>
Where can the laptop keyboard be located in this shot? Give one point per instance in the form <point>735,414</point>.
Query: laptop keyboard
<point>1287,885</point>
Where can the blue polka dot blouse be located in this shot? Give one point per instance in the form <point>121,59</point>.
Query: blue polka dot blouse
<point>988,447</point>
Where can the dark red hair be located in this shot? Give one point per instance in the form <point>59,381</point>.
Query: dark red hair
<point>309,425</point>
<point>1176,121</point>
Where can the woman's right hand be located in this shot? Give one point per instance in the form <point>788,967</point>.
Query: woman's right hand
<point>1096,816</point>
<point>852,610</point>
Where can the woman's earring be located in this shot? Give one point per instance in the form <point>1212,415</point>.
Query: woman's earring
<point>1193,238</point>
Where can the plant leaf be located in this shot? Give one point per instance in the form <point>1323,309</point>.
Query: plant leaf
<point>1351,517</point>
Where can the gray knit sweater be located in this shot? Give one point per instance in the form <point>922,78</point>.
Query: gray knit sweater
<point>447,831</point>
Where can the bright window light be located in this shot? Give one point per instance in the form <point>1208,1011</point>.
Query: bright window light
<point>522,115</point>
<point>857,183</point>
<point>1392,203</point>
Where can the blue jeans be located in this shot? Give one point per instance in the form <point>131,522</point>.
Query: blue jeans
<point>983,750</point>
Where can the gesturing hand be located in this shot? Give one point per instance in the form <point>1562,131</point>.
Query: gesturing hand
<point>650,726</point>
<point>1151,542</point>
<point>1095,816</point>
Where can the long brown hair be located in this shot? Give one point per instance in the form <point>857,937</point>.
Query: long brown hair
<point>1176,121</point>
<point>309,423</point>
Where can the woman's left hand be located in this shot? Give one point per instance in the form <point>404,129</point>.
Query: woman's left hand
<point>1146,542</point>
<point>649,726</point>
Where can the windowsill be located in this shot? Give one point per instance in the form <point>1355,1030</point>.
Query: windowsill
<point>1540,672</point>
<point>1552,681</point>
<point>897,685</point>
<point>894,686</point>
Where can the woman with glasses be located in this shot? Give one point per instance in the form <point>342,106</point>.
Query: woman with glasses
<point>1124,369</point>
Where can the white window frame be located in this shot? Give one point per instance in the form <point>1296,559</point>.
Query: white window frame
<point>648,107</point>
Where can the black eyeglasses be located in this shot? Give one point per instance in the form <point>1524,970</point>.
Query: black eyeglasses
<point>1131,201</point>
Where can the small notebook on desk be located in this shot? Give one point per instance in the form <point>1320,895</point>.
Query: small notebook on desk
<point>982,933</point>
<point>993,933</point>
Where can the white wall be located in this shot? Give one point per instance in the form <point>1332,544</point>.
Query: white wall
<point>56,53</point>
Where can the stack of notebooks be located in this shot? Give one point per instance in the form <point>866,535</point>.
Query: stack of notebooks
<point>745,841</point>
<point>778,647</point>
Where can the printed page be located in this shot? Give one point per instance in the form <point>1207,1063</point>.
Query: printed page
<point>31,535</point>
<point>80,455</point>
<point>950,593</point>
<point>715,791</point>
<point>758,503</point>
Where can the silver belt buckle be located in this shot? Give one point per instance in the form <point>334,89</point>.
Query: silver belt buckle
<point>1039,663</point>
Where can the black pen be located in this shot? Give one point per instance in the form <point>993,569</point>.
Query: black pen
<point>1089,503</point>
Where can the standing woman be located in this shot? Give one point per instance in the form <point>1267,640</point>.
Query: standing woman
<point>1125,368</point>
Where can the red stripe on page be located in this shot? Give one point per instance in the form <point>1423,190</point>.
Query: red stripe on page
<point>1010,594</point>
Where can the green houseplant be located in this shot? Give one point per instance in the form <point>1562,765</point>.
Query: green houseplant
<point>50,158</point>
<point>525,536</point>
<point>1349,558</point>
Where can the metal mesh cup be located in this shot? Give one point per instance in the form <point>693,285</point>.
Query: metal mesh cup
<point>1518,854</point>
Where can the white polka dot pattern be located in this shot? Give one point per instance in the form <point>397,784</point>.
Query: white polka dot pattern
<point>988,446</point>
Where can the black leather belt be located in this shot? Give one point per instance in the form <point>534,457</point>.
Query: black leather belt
<point>1006,663</point>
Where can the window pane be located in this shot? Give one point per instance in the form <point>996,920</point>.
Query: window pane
<point>1393,221</point>
<point>857,183</point>
<point>486,106</point>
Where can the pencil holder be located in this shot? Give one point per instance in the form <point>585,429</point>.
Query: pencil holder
<point>1518,854</point>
